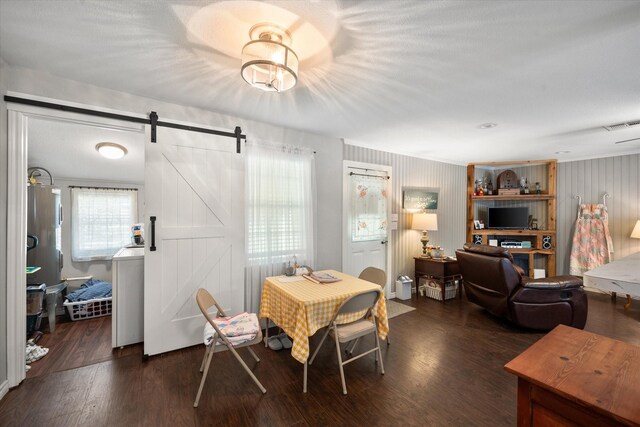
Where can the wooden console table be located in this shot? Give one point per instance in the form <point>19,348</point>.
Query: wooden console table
<point>573,377</point>
<point>442,270</point>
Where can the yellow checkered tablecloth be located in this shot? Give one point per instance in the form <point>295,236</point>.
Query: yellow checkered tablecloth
<point>301,308</point>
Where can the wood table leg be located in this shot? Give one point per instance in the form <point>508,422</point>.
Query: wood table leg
<point>443,286</point>
<point>613,296</point>
<point>628,303</point>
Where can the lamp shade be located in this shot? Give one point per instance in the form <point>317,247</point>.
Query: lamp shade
<point>424,221</point>
<point>636,231</point>
<point>268,63</point>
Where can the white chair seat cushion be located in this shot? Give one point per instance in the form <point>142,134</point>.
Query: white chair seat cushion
<point>354,330</point>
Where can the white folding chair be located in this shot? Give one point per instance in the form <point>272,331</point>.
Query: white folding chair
<point>364,325</point>
<point>221,343</point>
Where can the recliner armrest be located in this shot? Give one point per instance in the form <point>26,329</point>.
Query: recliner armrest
<point>558,282</point>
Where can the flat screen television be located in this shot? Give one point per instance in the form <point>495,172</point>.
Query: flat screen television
<point>508,217</point>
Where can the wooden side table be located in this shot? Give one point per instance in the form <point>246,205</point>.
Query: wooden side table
<point>442,270</point>
<point>572,377</point>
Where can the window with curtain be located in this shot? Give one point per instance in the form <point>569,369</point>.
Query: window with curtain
<point>101,221</point>
<point>280,206</point>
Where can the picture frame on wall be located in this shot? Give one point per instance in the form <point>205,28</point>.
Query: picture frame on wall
<point>416,198</point>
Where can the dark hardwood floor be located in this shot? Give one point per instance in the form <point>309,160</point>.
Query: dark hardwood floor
<point>76,344</point>
<point>444,367</point>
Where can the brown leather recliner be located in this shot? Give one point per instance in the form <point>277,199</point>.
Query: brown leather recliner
<point>492,281</point>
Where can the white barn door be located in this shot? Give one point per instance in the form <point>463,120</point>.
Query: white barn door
<point>194,187</point>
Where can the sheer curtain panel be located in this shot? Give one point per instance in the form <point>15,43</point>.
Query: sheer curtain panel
<point>368,207</point>
<point>280,211</point>
<point>101,221</point>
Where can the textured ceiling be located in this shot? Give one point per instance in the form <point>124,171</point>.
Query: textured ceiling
<point>414,77</point>
<point>68,150</point>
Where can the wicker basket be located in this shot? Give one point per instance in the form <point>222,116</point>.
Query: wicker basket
<point>89,309</point>
<point>434,291</point>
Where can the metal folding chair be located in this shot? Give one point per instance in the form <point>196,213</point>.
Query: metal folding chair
<point>221,343</point>
<point>364,325</point>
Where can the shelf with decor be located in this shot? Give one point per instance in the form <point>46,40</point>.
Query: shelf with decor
<point>524,197</point>
<point>516,197</point>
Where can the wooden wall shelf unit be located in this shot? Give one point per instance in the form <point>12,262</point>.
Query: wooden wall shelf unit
<point>542,206</point>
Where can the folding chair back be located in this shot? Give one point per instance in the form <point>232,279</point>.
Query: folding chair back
<point>360,302</point>
<point>377,276</point>
<point>374,275</point>
<point>205,301</point>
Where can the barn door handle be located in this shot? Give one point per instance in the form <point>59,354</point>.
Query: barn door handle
<point>384,242</point>
<point>153,233</point>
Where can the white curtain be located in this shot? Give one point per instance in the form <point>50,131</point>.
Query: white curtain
<point>368,207</point>
<point>280,211</point>
<point>101,221</point>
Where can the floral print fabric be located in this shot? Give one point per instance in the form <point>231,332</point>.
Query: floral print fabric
<point>368,208</point>
<point>592,245</point>
<point>238,329</point>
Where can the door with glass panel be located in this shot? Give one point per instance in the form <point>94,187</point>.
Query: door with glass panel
<point>366,213</point>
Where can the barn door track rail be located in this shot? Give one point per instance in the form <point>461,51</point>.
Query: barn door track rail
<point>152,120</point>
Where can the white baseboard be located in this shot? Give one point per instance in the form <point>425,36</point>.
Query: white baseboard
<point>4,388</point>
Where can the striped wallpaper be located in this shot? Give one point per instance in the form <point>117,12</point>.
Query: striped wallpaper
<point>618,176</point>
<point>413,172</point>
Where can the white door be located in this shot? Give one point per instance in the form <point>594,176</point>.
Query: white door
<point>366,213</point>
<point>194,187</point>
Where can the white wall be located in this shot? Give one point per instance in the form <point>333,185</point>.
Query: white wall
<point>3,220</point>
<point>97,269</point>
<point>328,150</point>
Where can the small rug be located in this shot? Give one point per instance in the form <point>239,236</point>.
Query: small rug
<point>396,309</point>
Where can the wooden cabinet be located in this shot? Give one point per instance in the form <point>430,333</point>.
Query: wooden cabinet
<point>542,251</point>
<point>572,377</point>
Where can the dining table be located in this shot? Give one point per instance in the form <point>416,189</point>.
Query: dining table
<point>300,307</point>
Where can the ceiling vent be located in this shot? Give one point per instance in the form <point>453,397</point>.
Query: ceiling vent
<point>620,126</point>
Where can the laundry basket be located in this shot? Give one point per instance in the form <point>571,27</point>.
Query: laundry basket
<point>89,309</point>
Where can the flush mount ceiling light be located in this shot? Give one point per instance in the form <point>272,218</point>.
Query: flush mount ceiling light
<point>111,150</point>
<point>267,61</point>
<point>487,126</point>
<point>562,152</point>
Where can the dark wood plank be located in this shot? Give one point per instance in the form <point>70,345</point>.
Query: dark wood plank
<point>444,367</point>
<point>596,372</point>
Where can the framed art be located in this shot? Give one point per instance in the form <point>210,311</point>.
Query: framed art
<point>414,198</point>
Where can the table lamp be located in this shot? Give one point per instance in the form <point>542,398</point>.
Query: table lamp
<point>424,222</point>
<point>636,231</point>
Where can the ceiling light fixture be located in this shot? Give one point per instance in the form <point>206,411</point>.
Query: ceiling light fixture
<point>487,125</point>
<point>111,150</point>
<point>268,63</point>
<point>562,152</point>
